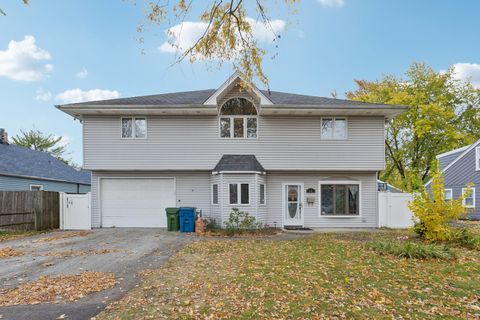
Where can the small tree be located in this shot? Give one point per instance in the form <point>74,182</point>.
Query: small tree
<point>434,213</point>
<point>37,140</point>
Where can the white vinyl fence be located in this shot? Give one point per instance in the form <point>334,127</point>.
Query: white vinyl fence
<point>75,211</point>
<point>393,210</point>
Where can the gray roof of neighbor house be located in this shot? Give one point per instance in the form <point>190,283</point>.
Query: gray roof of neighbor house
<point>199,97</point>
<point>23,162</point>
<point>238,163</point>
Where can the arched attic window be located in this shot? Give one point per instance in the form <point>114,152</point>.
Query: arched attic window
<point>238,119</point>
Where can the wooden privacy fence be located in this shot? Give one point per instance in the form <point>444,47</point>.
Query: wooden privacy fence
<point>29,210</point>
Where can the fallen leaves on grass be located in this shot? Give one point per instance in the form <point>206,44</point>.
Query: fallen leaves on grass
<point>10,235</point>
<point>9,252</point>
<point>50,289</point>
<point>247,233</point>
<point>64,235</point>
<point>77,253</point>
<point>324,276</point>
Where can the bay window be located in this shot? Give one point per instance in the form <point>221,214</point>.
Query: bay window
<point>239,193</point>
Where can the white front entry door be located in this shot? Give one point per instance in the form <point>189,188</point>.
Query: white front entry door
<point>293,204</point>
<point>136,202</point>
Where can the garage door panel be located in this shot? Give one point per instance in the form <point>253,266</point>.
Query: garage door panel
<point>136,202</point>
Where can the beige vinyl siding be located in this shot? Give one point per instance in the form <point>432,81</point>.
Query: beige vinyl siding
<point>312,219</point>
<point>192,189</point>
<point>193,143</point>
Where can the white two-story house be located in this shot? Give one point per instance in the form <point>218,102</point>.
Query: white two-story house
<point>287,159</point>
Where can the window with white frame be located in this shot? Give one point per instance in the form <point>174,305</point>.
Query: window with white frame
<point>239,193</point>
<point>339,199</point>
<point>36,187</point>
<point>334,128</point>
<point>134,128</point>
<point>448,194</point>
<point>262,194</point>
<point>238,119</point>
<point>477,158</point>
<point>214,193</point>
<point>469,197</point>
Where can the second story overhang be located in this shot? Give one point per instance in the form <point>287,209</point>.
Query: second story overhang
<point>78,111</point>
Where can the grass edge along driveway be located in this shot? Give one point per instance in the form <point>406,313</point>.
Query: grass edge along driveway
<point>322,276</point>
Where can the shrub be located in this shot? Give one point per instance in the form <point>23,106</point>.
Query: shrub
<point>211,224</point>
<point>413,250</point>
<point>467,239</point>
<point>241,220</point>
<point>434,214</point>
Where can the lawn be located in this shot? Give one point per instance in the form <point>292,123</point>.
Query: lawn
<point>321,276</point>
<point>9,235</point>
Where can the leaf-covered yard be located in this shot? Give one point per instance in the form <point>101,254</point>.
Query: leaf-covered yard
<point>322,276</point>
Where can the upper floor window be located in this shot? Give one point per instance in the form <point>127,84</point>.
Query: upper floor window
<point>477,158</point>
<point>238,119</point>
<point>334,128</point>
<point>135,127</point>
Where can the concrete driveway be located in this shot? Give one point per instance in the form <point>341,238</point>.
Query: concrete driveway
<point>132,250</point>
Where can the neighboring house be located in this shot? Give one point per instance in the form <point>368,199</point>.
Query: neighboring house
<point>461,167</point>
<point>25,169</point>
<point>384,186</point>
<point>287,159</point>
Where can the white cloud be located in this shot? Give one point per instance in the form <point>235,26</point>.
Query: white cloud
<point>78,95</point>
<point>332,3</point>
<point>65,141</point>
<point>184,35</point>
<point>24,61</point>
<point>82,74</point>
<point>42,95</point>
<point>468,72</point>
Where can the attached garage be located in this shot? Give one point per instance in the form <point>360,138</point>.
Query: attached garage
<point>136,202</point>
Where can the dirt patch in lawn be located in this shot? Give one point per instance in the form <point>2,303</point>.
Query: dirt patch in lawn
<point>321,277</point>
<point>63,235</point>
<point>51,289</point>
<point>9,252</point>
<point>77,253</point>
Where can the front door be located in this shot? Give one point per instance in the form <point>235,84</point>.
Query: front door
<point>293,210</point>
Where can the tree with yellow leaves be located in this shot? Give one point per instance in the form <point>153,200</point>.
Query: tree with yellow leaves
<point>444,114</point>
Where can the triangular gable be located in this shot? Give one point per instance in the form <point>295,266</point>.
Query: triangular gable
<point>464,153</point>
<point>232,83</point>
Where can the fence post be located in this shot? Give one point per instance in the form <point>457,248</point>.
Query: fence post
<point>35,219</point>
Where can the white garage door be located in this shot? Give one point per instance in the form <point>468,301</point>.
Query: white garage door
<point>136,202</point>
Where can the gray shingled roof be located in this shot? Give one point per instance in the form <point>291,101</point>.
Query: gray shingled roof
<point>200,96</point>
<point>230,162</point>
<point>24,162</point>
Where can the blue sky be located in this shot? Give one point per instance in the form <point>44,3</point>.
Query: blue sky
<point>88,49</point>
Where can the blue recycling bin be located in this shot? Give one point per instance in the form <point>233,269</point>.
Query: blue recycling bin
<point>187,219</point>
